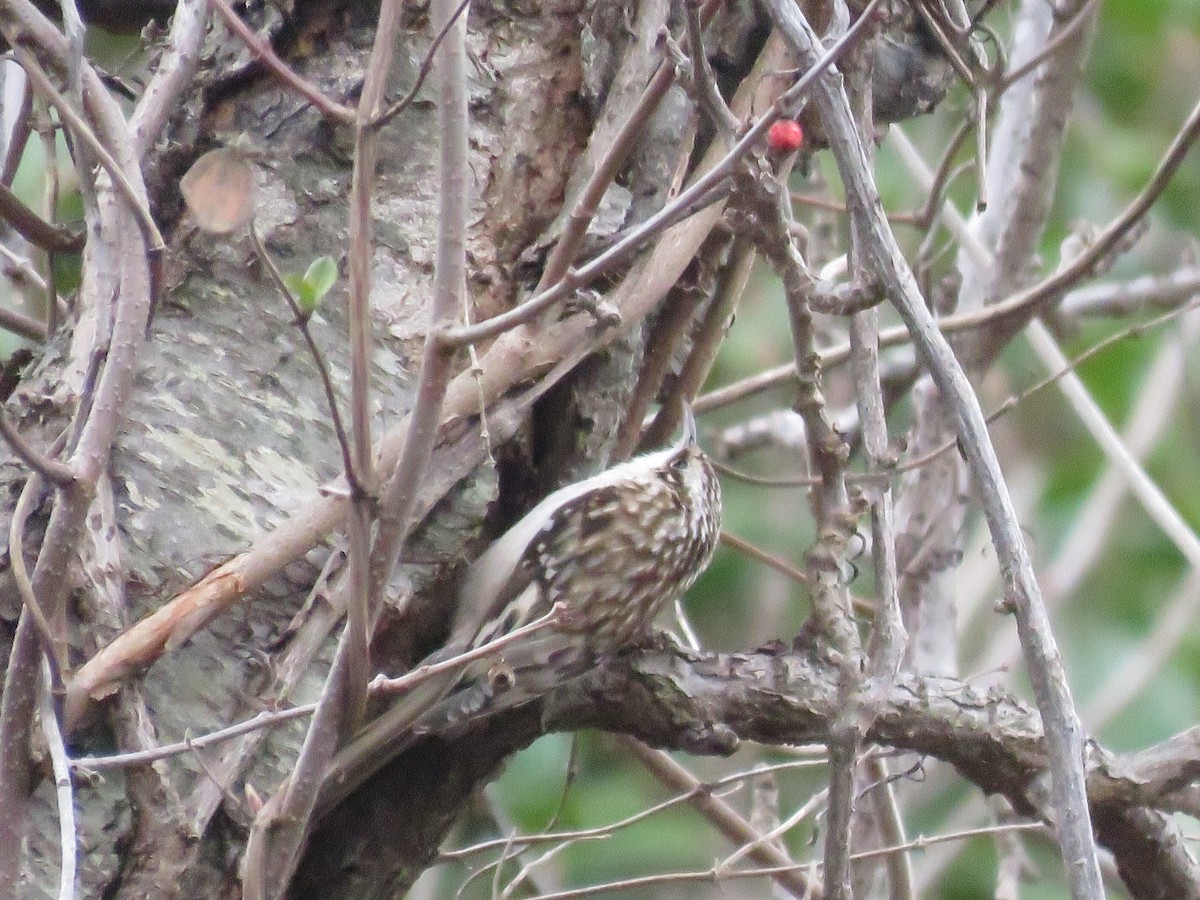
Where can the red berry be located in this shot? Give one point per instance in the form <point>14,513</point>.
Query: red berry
<point>785,136</point>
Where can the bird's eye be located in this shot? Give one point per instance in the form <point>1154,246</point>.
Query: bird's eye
<point>680,462</point>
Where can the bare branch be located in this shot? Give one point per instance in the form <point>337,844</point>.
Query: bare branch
<point>267,56</point>
<point>881,255</point>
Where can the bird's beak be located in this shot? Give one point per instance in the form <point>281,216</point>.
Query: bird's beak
<point>688,438</point>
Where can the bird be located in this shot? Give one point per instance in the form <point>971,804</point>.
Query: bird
<point>607,554</point>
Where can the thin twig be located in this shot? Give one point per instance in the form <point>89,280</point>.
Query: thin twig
<point>409,680</point>
<point>422,73</point>
<point>57,473</point>
<point>890,822</point>
<point>662,340</point>
<point>721,815</point>
<point>1062,35</point>
<point>145,757</point>
<point>18,140</point>
<point>449,293</point>
<point>35,229</point>
<point>703,80</point>
<point>84,133</point>
<point>301,322</point>
<point>60,763</point>
<point>717,876</point>
<point>269,58</point>
<point>810,807</point>
<point>1007,406</point>
<point>889,639</point>
<point>707,787</point>
<point>706,341</point>
<point>1072,365</point>
<point>1088,411</point>
<point>352,669</point>
<point>882,256</point>
<point>173,72</point>
<point>21,324</point>
<point>782,566</point>
<point>574,279</point>
<point>277,836</point>
<point>53,643</point>
<point>48,135</point>
<point>1016,309</point>
<point>565,251</point>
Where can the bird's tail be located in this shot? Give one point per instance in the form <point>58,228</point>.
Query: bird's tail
<point>381,741</point>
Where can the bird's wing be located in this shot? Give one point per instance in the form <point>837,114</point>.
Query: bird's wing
<point>508,587</point>
<point>538,552</point>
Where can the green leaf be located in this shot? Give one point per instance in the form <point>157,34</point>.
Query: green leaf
<point>303,293</point>
<point>294,283</point>
<point>321,276</point>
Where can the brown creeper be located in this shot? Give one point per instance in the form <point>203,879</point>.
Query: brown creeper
<point>613,550</point>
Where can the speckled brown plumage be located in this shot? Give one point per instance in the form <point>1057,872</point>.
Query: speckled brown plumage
<point>614,550</point>
<point>616,555</point>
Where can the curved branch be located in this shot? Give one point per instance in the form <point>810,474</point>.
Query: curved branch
<point>707,704</point>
